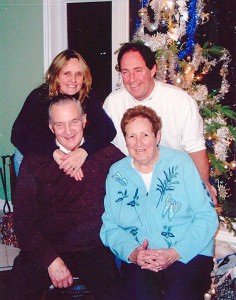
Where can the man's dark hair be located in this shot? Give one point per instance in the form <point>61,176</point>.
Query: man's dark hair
<point>146,53</point>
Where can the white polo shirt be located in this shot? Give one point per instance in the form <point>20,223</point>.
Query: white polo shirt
<point>182,125</point>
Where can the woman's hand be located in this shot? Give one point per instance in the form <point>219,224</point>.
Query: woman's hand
<point>160,259</point>
<point>153,260</point>
<point>60,274</point>
<point>71,163</point>
<point>145,258</point>
<point>138,254</point>
<point>57,155</point>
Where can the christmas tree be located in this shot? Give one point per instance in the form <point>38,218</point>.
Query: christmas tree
<point>169,28</point>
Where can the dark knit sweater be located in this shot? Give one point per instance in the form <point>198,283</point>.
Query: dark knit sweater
<point>30,132</point>
<point>53,213</point>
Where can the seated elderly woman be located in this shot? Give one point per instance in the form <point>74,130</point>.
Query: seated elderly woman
<point>159,219</point>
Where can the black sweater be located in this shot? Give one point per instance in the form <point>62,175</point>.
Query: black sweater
<point>30,132</point>
<point>53,213</point>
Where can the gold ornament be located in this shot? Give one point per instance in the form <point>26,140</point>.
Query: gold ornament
<point>205,18</point>
<point>117,68</point>
<point>214,136</point>
<point>198,77</point>
<point>226,165</point>
<point>209,136</point>
<point>224,72</point>
<point>142,12</point>
<point>178,80</point>
<point>219,209</point>
<point>232,165</point>
<point>189,68</point>
<point>166,8</point>
<point>204,71</point>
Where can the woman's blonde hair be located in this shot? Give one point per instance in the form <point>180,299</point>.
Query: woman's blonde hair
<point>59,62</point>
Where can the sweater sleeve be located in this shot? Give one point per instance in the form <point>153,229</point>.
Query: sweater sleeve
<point>30,131</point>
<point>27,216</point>
<point>200,232</point>
<point>99,131</point>
<point>120,241</point>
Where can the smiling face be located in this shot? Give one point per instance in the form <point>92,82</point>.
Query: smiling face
<point>138,79</point>
<point>71,77</point>
<point>142,143</point>
<point>67,123</point>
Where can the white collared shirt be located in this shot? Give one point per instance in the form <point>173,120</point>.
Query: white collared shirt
<point>63,149</point>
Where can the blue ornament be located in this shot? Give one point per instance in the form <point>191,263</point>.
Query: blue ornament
<point>163,23</point>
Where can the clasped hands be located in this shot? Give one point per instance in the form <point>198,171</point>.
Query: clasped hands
<point>153,259</point>
<point>71,163</point>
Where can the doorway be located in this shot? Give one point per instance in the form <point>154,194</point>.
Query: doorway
<point>89,33</point>
<point>56,31</point>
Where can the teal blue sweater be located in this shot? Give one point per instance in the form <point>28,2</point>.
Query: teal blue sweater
<point>177,212</point>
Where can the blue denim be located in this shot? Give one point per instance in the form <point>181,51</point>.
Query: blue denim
<point>17,161</point>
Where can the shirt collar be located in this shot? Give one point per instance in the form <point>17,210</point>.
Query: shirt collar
<point>63,149</point>
<point>146,99</point>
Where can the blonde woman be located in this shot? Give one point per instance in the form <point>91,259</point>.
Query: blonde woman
<point>68,74</point>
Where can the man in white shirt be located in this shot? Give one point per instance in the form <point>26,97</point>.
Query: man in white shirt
<point>182,125</point>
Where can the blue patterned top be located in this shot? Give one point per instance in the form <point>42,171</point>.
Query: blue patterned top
<point>177,212</point>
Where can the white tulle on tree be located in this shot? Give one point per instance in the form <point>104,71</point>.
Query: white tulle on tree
<point>168,27</point>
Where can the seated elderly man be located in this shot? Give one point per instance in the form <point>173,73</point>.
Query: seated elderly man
<point>58,219</point>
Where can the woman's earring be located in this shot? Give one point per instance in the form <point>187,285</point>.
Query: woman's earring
<point>119,82</point>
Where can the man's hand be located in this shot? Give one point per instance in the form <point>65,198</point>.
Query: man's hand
<point>201,161</point>
<point>213,193</point>
<point>60,274</point>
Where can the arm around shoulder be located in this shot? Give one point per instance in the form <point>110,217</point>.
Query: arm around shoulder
<point>100,130</point>
<point>30,132</point>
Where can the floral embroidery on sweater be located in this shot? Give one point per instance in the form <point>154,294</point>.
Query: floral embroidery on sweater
<point>117,177</point>
<point>134,232</point>
<point>134,203</point>
<point>167,184</point>
<point>123,195</point>
<point>171,207</point>
<point>168,235</point>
